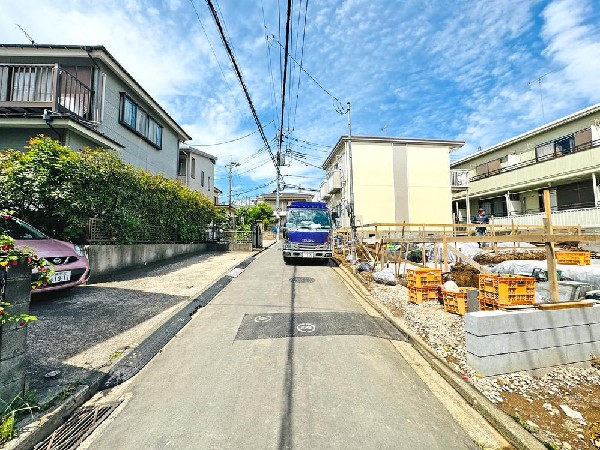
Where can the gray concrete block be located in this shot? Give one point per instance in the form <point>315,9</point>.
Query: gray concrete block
<point>12,369</point>
<point>531,340</point>
<point>483,323</point>
<point>8,391</point>
<point>13,342</point>
<point>533,359</point>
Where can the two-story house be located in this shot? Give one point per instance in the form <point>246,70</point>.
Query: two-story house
<point>394,180</point>
<point>508,179</point>
<point>285,198</point>
<point>197,170</point>
<point>83,97</point>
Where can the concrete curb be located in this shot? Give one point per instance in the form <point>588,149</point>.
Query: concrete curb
<point>502,422</point>
<point>40,429</point>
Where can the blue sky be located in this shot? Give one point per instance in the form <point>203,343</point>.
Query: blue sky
<point>461,69</point>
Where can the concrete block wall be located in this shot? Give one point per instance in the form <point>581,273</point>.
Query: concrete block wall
<point>13,362</point>
<point>107,259</point>
<point>500,342</point>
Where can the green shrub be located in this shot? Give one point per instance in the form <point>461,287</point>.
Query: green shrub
<point>57,190</point>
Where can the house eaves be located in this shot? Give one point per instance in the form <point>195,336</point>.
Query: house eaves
<point>452,144</point>
<point>521,137</point>
<point>62,123</point>
<point>194,151</point>
<point>99,52</point>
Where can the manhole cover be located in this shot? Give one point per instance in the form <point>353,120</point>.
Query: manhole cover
<point>79,426</point>
<point>302,280</point>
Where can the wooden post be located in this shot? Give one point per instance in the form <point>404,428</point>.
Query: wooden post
<point>445,251</point>
<point>552,279</point>
<point>494,244</point>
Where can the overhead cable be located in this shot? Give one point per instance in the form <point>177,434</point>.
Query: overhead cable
<point>241,80</point>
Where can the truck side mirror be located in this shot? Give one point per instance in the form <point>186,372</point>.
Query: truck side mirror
<point>334,216</point>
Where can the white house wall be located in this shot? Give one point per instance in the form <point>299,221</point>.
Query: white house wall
<point>138,151</point>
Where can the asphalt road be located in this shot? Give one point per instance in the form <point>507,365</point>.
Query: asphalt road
<point>284,357</point>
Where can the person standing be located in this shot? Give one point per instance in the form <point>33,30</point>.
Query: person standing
<point>481,218</point>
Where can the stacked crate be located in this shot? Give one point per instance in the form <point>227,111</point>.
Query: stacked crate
<point>422,284</point>
<point>582,258</point>
<point>457,302</point>
<point>499,291</point>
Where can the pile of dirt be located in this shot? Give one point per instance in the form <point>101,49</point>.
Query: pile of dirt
<point>497,258</point>
<point>465,275</point>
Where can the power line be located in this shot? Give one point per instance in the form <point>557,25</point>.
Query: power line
<point>285,61</point>
<point>338,107</point>
<point>213,52</point>
<point>227,142</point>
<point>273,96</point>
<point>301,59</point>
<point>241,80</point>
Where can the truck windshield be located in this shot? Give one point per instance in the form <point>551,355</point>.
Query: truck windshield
<point>308,218</point>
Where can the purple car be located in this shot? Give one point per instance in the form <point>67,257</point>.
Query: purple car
<point>71,267</point>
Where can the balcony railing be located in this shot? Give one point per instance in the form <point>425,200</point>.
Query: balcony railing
<point>459,178</point>
<point>557,154</point>
<point>34,87</point>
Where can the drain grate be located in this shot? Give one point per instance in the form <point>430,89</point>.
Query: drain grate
<point>245,263</point>
<point>302,280</point>
<point>79,426</point>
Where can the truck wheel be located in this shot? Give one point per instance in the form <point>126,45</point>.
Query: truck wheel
<point>287,260</point>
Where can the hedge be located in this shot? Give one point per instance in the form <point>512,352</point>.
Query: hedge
<point>57,190</point>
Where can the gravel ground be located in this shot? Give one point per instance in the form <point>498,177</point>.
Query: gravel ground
<point>533,401</point>
<point>82,332</point>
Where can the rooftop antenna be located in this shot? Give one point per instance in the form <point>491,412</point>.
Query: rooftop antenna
<point>26,34</point>
<point>539,81</point>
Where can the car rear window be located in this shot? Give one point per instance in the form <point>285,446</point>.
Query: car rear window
<point>19,230</point>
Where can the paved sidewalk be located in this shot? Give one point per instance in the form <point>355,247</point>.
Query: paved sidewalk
<point>82,332</point>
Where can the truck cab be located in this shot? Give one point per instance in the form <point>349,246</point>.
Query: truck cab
<point>308,231</point>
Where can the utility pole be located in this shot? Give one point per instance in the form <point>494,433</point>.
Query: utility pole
<point>351,180</point>
<point>231,166</point>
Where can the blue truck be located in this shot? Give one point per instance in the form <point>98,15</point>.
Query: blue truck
<point>308,231</point>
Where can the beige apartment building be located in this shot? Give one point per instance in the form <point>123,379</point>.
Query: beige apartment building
<point>508,179</point>
<point>395,180</point>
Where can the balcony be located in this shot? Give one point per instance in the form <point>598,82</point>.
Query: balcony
<point>31,88</point>
<point>579,141</point>
<point>334,182</point>
<point>459,179</point>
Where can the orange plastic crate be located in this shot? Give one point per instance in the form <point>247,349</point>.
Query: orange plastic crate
<point>420,295</point>
<point>582,258</point>
<point>456,302</point>
<point>498,291</point>
<point>423,277</point>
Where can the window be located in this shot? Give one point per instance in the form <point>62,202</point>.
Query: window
<point>140,122</point>
<point>193,168</point>
<point>202,178</point>
<point>181,171</point>
<point>209,183</point>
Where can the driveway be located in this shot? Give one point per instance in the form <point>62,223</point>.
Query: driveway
<point>83,331</point>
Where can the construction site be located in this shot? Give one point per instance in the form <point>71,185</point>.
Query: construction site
<point>516,311</point>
